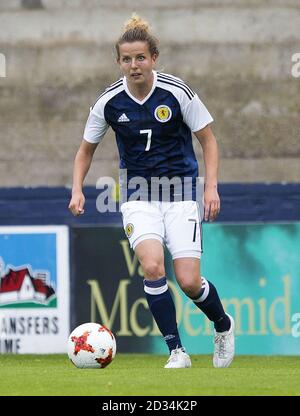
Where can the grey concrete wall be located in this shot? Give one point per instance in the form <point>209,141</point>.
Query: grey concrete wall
<point>236,54</point>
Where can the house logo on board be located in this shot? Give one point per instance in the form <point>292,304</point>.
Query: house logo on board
<point>23,288</point>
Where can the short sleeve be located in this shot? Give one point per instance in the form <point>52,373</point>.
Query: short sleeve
<point>95,128</point>
<point>195,114</point>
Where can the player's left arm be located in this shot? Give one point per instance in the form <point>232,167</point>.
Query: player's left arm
<point>209,146</point>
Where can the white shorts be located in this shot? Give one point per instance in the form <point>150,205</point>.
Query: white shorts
<point>177,224</point>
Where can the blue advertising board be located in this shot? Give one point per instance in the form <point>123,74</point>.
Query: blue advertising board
<point>34,289</point>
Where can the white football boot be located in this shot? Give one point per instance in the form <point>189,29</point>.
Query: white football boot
<point>178,359</point>
<point>224,346</point>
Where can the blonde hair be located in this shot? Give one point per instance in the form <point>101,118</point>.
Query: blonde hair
<point>137,30</point>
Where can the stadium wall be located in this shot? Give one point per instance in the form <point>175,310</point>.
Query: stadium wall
<point>236,54</point>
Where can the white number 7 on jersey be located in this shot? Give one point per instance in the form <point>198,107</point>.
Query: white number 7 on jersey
<point>149,133</point>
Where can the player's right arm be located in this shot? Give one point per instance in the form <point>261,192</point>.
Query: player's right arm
<point>94,131</point>
<point>82,163</point>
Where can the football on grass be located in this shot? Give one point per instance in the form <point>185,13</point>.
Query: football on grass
<point>91,345</point>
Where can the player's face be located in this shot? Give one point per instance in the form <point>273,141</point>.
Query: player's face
<point>136,62</point>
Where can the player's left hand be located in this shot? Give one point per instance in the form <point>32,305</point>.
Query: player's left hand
<point>211,203</point>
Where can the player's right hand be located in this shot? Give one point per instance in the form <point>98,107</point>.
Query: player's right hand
<point>77,203</point>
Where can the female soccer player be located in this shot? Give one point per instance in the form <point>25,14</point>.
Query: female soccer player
<point>153,116</point>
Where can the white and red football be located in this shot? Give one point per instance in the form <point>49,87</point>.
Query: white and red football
<point>91,345</point>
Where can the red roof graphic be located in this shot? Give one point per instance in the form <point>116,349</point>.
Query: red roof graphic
<point>13,281</point>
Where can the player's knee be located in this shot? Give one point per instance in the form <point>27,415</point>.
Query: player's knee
<point>189,287</point>
<point>153,270</point>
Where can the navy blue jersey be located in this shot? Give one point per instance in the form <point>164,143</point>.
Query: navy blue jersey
<point>154,136</point>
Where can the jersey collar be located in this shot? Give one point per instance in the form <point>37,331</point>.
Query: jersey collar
<point>148,96</point>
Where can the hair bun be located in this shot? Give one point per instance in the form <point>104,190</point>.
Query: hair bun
<point>136,22</point>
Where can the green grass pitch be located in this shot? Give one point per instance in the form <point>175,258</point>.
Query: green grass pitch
<point>144,375</point>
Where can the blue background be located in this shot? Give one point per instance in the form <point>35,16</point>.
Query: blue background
<point>35,250</point>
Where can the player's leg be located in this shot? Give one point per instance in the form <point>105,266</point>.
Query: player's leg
<point>183,235</point>
<point>144,228</point>
<point>151,257</point>
<point>201,291</point>
<point>206,298</point>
